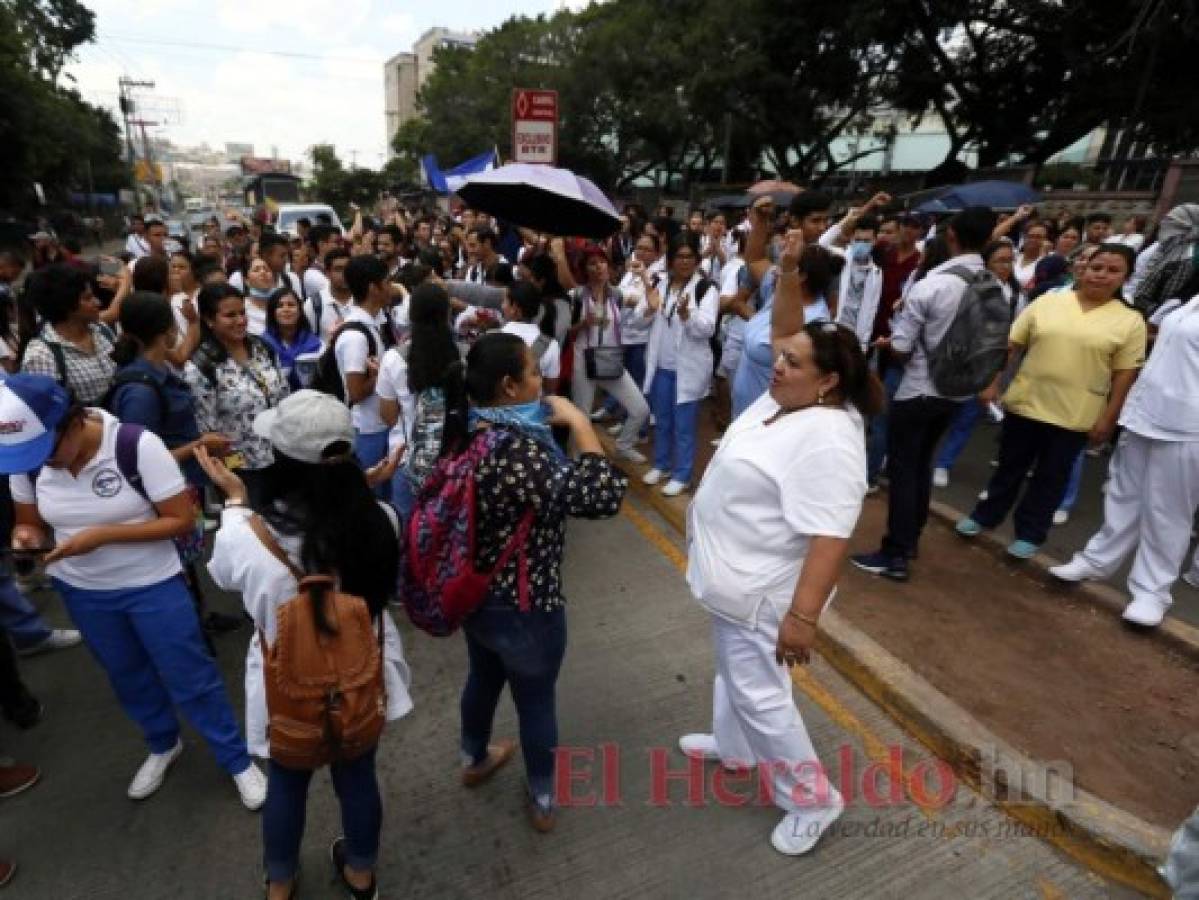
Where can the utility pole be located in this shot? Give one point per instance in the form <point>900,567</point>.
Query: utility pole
<point>125,85</point>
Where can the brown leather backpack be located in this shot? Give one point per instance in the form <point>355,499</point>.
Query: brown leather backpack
<point>325,696</point>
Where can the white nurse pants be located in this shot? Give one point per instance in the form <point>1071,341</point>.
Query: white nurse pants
<point>1149,506</point>
<point>754,719</point>
<point>623,390</point>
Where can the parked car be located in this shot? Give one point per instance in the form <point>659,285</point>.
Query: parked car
<point>288,213</point>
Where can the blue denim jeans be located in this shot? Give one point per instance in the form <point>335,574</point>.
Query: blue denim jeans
<point>18,617</point>
<point>1074,484</point>
<point>675,426</point>
<point>403,495</point>
<point>287,802</point>
<point>876,438</point>
<point>370,450</point>
<point>959,433</point>
<point>524,650</point>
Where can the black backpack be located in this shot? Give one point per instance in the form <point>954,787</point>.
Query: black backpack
<point>134,376</point>
<point>328,374</point>
<point>974,348</point>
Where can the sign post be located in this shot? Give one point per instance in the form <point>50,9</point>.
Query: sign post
<point>534,126</point>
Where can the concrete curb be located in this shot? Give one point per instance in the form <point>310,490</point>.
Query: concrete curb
<point>1106,839</point>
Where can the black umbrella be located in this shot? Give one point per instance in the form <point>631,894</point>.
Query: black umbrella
<point>543,198</point>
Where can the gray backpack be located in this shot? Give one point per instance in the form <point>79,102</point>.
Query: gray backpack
<point>974,348</point>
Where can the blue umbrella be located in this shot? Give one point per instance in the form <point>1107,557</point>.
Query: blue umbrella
<point>543,198</point>
<point>995,194</point>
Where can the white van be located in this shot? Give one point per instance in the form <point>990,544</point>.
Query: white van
<point>285,218</point>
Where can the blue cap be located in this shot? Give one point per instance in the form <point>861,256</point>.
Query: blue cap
<point>31,406</point>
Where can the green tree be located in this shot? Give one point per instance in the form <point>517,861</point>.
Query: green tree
<point>338,186</point>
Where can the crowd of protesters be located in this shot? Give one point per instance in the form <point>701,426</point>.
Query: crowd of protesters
<point>299,393</point>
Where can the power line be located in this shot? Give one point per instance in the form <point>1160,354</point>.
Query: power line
<point>158,42</point>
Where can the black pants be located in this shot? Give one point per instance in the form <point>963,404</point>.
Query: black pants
<point>15,699</point>
<point>1049,451</point>
<point>914,429</point>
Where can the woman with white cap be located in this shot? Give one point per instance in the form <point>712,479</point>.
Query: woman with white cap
<point>318,516</point>
<point>767,534</point>
<point>114,498</point>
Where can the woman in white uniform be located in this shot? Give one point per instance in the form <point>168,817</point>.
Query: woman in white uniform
<point>1153,491</point>
<point>767,538</point>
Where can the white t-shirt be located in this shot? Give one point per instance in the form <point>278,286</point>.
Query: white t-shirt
<point>137,246</point>
<point>634,327</point>
<point>551,359</point>
<point>99,495</point>
<point>766,493</point>
<point>333,311</point>
<point>315,281</point>
<point>255,315</point>
<point>352,350</point>
<point>392,384</point>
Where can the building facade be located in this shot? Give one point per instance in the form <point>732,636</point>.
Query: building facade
<point>406,72</point>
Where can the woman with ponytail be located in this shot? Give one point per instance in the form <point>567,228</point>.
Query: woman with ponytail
<point>320,516</point>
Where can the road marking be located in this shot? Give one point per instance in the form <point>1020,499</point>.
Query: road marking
<point>875,748</point>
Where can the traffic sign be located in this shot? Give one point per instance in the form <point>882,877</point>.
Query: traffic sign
<point>534,126</point>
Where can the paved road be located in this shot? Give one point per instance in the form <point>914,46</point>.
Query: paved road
<point>973,470</point>
<point>638,673</point>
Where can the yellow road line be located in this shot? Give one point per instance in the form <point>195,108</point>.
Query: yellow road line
<point>874,747</point>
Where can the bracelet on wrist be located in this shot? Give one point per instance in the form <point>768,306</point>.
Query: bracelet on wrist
<point>807,620</point>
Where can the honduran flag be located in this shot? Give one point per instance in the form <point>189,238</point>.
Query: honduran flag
<point>450,180</point>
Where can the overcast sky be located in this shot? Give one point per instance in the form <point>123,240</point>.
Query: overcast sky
<point>219,75</point>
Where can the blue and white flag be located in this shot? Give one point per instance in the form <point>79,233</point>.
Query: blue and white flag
<point>449,181</point>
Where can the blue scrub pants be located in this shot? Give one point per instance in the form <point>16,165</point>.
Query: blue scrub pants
<point>674,427</point>
<point>19,618</point>
<point>148,641</point>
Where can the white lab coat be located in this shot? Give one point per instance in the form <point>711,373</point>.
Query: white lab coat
<point>694,352</point>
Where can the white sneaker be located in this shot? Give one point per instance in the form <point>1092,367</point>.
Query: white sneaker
<point>1192,579</point>
<point>1074,571</point>
<point>799,831</point>
<point>58,639</point>
<point>251,786</point>
<point>1145,611</point>
<point>673,488</point>
<point>630,455</point>
<point>1061,516</point>
<point>616,429</point>
<point>150,776</point>
<point>653,476</point>
<point>940,478</point>
<point>699,746</point>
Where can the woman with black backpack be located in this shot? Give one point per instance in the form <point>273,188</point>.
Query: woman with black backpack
<point>234,376</point>
<point>319,516</point>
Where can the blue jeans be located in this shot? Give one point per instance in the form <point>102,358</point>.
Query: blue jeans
<point>674,427</point>
<point>1074,484</point>
<point>148,641</point>
<point>370,450</point>
<point>525,650</point>
<point>18,617</point>
<point>876,439</point>
<point>287,803</point>
<point>403,495</point>
<point>959,433</point>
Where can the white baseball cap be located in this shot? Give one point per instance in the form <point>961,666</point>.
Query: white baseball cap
<point>305,424</point>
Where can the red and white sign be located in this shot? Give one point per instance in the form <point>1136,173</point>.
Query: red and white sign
<point>534,126</point>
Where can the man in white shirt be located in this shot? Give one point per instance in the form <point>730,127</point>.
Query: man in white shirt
<point>321,239</point>
<point>327,309</point>
<point>919,415</point>
<point>136,245</point>
<point>358,347</point>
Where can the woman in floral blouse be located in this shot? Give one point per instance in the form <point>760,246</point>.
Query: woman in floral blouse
<point>234,376</point>
<point>526,473</point>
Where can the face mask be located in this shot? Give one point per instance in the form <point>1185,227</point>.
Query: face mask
<point>260,293</point>
<point>860,251</point>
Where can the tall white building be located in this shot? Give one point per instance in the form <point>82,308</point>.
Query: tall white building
<point>406,72</point>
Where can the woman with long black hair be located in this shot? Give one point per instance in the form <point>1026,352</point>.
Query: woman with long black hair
<point>318,517</point>
<point>234,376</point>
<point>288,334</point>
<point>518,635</point>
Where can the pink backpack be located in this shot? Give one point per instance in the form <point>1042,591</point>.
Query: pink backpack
<point>439,584</point>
